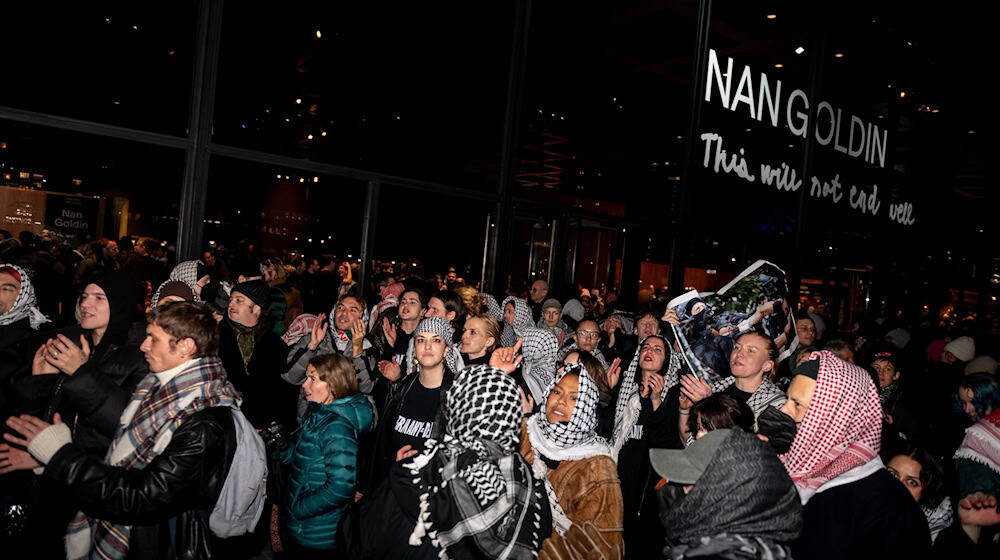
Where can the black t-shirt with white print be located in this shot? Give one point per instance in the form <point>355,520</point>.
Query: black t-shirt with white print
<point>416,417</point>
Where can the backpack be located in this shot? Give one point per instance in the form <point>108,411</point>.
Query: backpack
<point>241,501</point>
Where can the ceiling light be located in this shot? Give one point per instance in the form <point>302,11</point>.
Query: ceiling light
<point>298,100</point>
<point>902,94</point>
<point>772,16</point>
<point>800,50</point>
<point>319,35</point>
<point>779,65</point>
<point>838,55</point>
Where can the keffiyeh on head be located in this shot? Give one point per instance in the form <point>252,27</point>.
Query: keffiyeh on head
<point>630,386</point>
<point>26,304</point>
<point>188,272</point>
<point>842,428</point>
<point>522,321</point>
<point>539,348</point>
<point>492,307</point>
<point>442,328</point>
<point>577,438</point>
<point>480,498</point>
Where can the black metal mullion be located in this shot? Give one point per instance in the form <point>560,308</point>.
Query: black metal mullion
<point>90,127</point>
<point>190,227</point>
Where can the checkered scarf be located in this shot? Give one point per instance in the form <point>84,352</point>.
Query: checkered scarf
<point>539,348</point>
<point>577,438</point>
<point>156,412</point>
<point>630,386</point>
<point>442,328</point>
<point>480,499</point>
<point>522,321</point>
<point>842,428</point>
<point>25,304</point>
<point>186,272</point>
<point>493,308</point>
<point>301,326</point>
<point>982,443</point>
<point>768,394</point>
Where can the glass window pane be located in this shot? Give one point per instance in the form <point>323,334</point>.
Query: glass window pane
<point>86,187</point>
<point>411,94</point>
<point>124,64</point>
<point>423,234</point>
<point>256,210</point>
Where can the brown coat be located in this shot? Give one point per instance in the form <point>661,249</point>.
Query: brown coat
<point>588,490</point>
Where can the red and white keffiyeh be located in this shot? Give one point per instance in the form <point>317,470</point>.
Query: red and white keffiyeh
<point>842,428</point>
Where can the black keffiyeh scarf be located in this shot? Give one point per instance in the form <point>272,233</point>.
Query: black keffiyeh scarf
<point>480,499</point>
<point>744,491</point>
<point>522,321</point>
<point>539,365</point>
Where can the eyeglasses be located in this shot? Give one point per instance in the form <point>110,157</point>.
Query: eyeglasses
<point>588,334</point>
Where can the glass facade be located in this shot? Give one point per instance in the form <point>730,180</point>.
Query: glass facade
<point>518,140</point>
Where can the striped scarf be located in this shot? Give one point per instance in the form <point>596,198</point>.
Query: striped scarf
<point>147,424</point>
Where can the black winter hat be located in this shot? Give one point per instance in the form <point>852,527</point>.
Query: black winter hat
<point>257,290</point>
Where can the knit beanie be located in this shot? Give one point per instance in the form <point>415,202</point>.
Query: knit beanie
<point>900,337</point>
<point>176,288</point>
<point>551,303</point>
<point>257,290</point>
<point>981,364</point>
<point>963,348</point>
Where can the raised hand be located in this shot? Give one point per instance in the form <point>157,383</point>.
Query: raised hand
<point>614,372</point>
<point>507,359</point>
<point>390,369</point>
<point>695,389</point>
<point>358,331</point>
<point>671,316</point>
<point>527,403</point>
<point>40,365</point>
<point>318,331</point>
<point>390,331</point>
<point>66,356</point>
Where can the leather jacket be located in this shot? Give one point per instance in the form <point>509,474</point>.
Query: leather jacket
<point>172,496</point>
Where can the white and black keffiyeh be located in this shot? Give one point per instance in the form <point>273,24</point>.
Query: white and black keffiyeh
<point>539,348</point>
<point>25,304</point>
<point>768,394</point>
<point>186,272</point>
<point>442,328</point>
<point>629,386</point>
<point>493,308</point>
<point>480,499</point>
<point>522,321</point>
<point>577,438</point>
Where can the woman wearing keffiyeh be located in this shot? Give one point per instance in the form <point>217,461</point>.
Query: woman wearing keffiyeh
<point>853,507</point>
<point>480,500</point>
<point>561,443</point>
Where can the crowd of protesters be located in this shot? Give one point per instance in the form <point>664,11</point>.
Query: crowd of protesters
<point>418,417</point>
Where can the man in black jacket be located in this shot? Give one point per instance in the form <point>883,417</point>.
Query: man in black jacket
<point>168,461</point>
<point>254,357</point>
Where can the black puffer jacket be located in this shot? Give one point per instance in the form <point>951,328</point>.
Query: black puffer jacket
<point>182,483</point>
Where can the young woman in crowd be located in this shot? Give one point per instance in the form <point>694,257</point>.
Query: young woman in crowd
<point>922,475</point>
<point>901,420</point>
<point>447,305</point>
<point>516,319</point>
<point>480,338</point>
<point>470,299</point>
<point>752,360</point>
<point>552,319</point>
<point>564,449</point>
<point>411,309</point>
<point>642,421</point>
<point>853,507</point>
<point>479,498</point>
<point>323,457</point>
<point>413,414</point>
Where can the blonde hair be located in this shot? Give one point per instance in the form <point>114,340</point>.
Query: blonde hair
<point>470,297</point>
<point>492,328</point>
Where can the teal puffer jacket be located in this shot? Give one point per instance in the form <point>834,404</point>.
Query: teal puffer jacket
<point>324,468</point>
